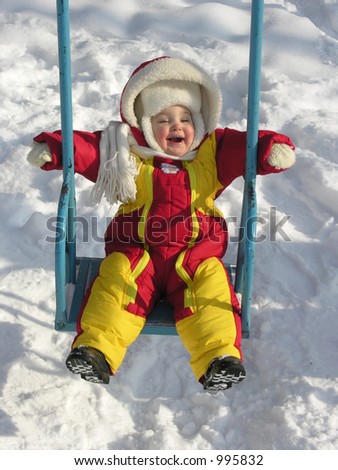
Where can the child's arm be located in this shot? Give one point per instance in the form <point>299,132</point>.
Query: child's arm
<point>46,152</point>
<point>275,153</point>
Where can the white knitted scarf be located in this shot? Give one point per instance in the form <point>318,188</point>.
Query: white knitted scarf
<point>118,167</point>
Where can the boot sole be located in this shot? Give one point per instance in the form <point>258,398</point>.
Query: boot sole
<point>224,378</point>
<point>87,370</point>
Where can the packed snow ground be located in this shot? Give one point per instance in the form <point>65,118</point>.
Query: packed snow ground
<point>289,399</point>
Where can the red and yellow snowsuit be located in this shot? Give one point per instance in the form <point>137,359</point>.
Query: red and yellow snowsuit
<point>169,242</point>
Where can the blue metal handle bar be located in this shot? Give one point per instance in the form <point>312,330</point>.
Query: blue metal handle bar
<point>246,249</point>
<point>67,120</point>
<point>62,256</point>
<point>65,250</point>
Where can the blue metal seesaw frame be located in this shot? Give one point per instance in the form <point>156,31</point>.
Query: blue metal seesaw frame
<point>72,274</point>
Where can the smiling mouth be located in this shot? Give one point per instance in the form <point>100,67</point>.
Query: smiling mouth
<point>176,140</point>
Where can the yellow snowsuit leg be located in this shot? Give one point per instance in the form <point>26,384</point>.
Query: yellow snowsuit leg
<point>213,327</point>
<point>109,321</point>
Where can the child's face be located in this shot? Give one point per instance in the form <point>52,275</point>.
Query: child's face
<point>173,130</point>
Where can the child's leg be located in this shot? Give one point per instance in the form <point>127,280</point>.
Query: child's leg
<point>119,300</point>
<point>207,313</point>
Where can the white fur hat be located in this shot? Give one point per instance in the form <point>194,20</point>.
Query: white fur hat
<point>165,82</point>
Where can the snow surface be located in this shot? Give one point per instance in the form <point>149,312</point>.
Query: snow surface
<point>290,397</point>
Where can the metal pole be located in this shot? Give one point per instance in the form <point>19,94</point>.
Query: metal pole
<point>67,128</point>
<point>65,249</point>
<point>246,250</point>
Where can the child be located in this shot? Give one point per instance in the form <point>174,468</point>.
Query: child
<point>167,164</point>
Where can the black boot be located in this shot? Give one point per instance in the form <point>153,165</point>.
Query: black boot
<point>222,373</point>
<point>90,363</point>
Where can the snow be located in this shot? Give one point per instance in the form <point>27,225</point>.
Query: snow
<point>290,397</point>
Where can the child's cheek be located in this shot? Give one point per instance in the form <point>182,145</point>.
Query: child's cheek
<point>162,135</point>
